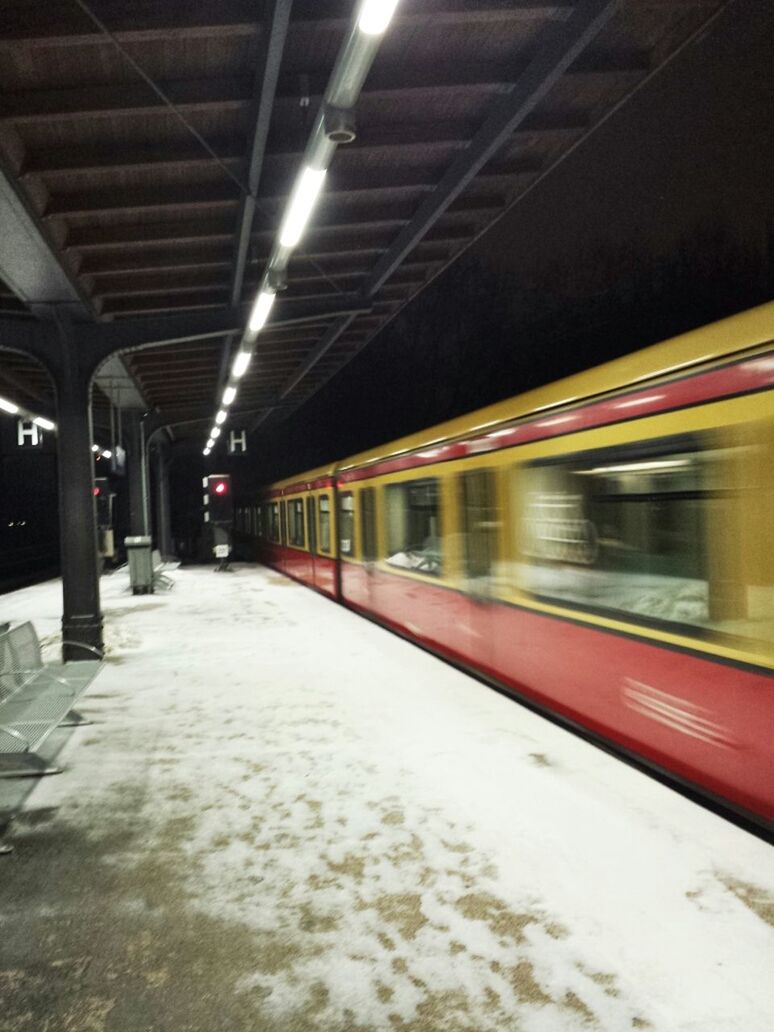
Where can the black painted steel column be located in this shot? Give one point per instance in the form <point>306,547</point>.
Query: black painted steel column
<point>81,616</point>
<point>163,523</point>
<point>138,518</point>
<point>165,515</point>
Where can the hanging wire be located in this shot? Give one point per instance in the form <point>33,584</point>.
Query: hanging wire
<point>160,93</point>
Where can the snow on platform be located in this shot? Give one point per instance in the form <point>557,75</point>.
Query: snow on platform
<point>286,818</point>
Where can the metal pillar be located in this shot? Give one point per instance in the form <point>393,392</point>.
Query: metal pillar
<point>82,616</point>
<point>136,474</point>
<point>163,521</point>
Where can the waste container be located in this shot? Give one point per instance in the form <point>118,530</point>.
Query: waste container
<point>138,554</point>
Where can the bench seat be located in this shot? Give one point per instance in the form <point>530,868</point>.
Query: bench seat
<point>35,698</point>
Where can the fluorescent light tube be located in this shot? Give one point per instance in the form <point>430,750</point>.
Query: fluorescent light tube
<point>8,406</point>
<point>261,309</point>
<point>375,16</point>
<point>228,395</point>
<point>302,200</point>
<point>215,432</point>
<point>44,424</point>
<point>241,362</point>
<point>221,417</point>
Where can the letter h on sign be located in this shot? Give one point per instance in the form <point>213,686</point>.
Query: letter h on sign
<point>27,432</point>
<point>237,442</point>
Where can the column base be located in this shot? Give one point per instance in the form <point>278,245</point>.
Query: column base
<point>81,637</point>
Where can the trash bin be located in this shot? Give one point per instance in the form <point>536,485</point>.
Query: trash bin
<point>138,554</point>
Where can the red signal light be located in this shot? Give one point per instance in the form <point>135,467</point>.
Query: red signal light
<point>97,492</point>
<point>220,487</point>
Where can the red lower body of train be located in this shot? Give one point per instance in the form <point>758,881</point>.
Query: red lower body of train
<point>582,674</point>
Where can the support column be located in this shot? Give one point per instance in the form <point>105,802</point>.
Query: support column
<point>139,523</point>
<point>82,616</point>
<point>163,521</point>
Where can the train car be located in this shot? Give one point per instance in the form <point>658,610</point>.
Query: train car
<point>600,547</point>
<point>297,523</point>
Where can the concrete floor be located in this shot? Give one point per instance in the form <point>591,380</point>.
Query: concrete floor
<point>284,818</point>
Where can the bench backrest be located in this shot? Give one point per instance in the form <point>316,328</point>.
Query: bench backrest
<point>19,658</point>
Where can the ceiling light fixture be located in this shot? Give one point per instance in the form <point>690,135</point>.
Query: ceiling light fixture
<point>261,309</point>
<point>215,432</point>
<point>302,201</point>
<point>8,406</point>
<point>44,424</point>
<point>228,395</point>
<point>375,16</point>
<point>354,60</point>
<point>221,417</point>
<point>241,362</point>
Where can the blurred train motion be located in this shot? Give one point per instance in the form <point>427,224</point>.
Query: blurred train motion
<point>601,547</point>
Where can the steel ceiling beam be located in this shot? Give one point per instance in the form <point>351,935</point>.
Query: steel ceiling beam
<point>277,21</point>
<point>27,256</point>
<point>158,331</point>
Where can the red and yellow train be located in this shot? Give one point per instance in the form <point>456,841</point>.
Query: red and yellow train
<point>601,547</point>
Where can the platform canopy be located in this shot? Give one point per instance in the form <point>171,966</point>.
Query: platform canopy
<point>154,145</point>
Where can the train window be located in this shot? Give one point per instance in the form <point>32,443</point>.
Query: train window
<point>368,523</point>
<point>347,524</point>
<point>413,526</point>
<point>275,522</point>
<point>310,522</point>
<point>296,523</point>
<point>479,521</point>
<point>284,521</point>
<point>647,530</point>
<point>325,523</point>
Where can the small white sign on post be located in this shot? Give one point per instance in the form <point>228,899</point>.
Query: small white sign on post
<point>237,442</point>
<point>221,551</point>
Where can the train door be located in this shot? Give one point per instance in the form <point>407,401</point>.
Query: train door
<point>311,530</point>
<point>479,529</point>
<point>368,542</point>
<point>283,563</point>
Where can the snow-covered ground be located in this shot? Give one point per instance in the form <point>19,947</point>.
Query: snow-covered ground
<point>284,817</point>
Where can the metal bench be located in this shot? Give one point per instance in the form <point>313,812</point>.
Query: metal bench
<point>160,580</point>
<point>35,698</point>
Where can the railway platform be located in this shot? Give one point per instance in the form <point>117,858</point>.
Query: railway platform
<point>283,817</point>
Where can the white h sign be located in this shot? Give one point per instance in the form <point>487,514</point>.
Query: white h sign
<point>237,442</point>
<point>28,432</point>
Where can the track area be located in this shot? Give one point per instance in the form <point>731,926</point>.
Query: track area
<point>286,818</point>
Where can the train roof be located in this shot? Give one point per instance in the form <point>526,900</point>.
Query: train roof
<point>707,344</point>
<point>308,476</point>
